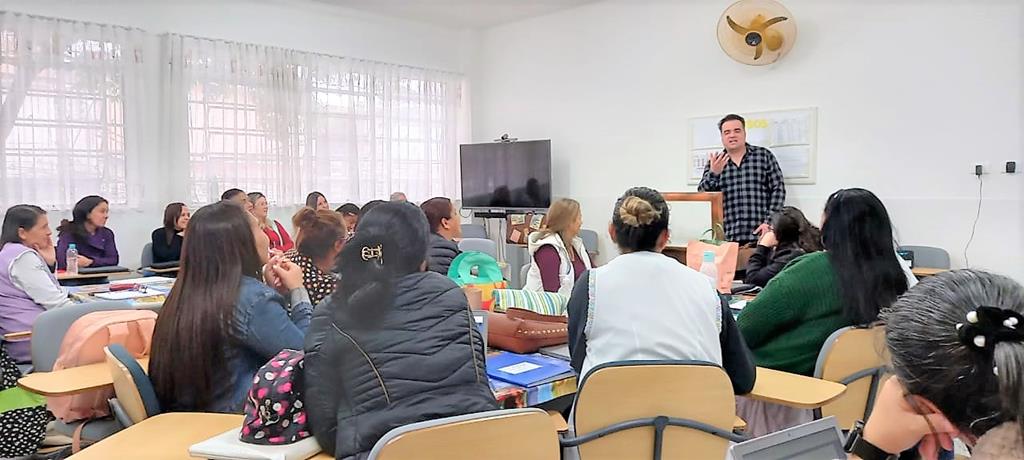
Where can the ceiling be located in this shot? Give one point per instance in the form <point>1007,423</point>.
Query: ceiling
<point>460,14</point>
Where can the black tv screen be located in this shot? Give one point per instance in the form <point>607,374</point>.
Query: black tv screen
<point>506,175</point>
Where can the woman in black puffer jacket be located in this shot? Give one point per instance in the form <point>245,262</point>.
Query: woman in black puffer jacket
<point>394,344</point>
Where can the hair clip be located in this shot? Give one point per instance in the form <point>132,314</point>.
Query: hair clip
<point>373,252</point>
<point>987,326</point>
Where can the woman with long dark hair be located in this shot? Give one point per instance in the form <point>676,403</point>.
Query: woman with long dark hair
<point>395,344</point>
<point>317,201</point>
<point>167,240</point>
<point>791,236</point>
<point>88,231</point>
<point>847,284</point>
<point>220,322</point>
<point>27,287</point>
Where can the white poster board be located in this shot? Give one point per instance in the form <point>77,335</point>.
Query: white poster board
<point>790,134</point>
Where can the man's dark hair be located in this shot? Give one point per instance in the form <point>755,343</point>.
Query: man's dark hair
<point>731,117</point>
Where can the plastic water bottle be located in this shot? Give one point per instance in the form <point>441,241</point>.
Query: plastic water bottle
<point>72,259</point>
<point>708,267</point>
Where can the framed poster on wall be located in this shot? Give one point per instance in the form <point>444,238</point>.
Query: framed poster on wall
<point>790,134</point>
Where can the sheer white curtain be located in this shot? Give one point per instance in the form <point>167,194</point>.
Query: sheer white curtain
<point>286,123</point>
<point>71,113</point>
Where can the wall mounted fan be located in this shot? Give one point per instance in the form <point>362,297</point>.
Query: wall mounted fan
<point>756,32</point>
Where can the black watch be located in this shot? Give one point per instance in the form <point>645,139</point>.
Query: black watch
<point>857,445</point>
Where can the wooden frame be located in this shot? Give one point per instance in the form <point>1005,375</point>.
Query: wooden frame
<point>717,201</point>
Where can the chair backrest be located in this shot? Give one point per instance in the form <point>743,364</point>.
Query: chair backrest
<point>530,434</point>
<point>523,273</point>
<point>50,327</point>
<point>474,231</point>
<point>589,240</point>
<point>132,386</point>
<point>147,256</point>
<point>483,245</point>
<point>623,391</point>
<point>856,357</point>
<point>928,257</point>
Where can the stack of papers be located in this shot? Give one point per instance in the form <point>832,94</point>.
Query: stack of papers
<point>227,446</point>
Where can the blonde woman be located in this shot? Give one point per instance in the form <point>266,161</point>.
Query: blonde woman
<point>280,240</point>
<point>557,254</point>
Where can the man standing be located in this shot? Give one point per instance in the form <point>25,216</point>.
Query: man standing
<point>749,178</point>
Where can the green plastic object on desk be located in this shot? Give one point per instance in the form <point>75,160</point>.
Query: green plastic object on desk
<point>474,268</point>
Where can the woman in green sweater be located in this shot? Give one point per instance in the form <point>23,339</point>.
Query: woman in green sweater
<point>856,276</point>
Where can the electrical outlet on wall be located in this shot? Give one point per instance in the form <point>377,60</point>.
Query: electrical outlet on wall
<point>1010,167</point>
<point>980,168</point>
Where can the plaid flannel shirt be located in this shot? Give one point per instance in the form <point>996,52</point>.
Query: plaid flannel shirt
<point>752,191</point>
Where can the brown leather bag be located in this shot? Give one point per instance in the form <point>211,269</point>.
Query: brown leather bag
<point>524,331</point>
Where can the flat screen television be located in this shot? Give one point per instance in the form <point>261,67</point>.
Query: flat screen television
<point>506,175</point>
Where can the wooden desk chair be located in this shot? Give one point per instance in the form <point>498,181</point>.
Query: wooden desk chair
<point>621,405</point>
<point>508,435</point>
<point>135,399</point>
<point>857,358</point>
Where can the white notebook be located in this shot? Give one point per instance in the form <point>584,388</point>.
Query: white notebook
<point>227,446</point>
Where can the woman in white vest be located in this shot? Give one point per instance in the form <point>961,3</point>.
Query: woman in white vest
<point>557,254</point>
<point>646,306</point>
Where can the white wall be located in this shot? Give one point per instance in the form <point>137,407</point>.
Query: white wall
<point>294,24</point>
<point>910,93</point>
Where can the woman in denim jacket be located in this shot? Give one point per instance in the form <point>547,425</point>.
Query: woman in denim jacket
<point>220,323</point>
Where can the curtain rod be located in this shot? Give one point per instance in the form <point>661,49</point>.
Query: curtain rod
<point>56,19</point>
<point>313,53</point>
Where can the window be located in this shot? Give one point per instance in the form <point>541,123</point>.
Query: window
<point>286,123</point>
<point>63,103</point>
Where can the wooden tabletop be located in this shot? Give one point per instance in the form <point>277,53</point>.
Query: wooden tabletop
<point>794,390</point>
<point>164,437</point>
<point>71,381</point>
<point>925,271</point>
<point>160,270</point>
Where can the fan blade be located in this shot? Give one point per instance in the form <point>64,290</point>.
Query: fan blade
<point>773,21</point>
<point>773,40</point>
<point>736,27</point>
<point>757,51</point>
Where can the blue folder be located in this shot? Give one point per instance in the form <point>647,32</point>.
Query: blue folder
<point>526,370</point>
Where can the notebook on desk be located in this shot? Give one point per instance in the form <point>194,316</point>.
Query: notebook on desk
<point>526,370</point>
<point>817,440</point>
<point>99,270</point>
<point>227,446</point>
<point>557,351</point>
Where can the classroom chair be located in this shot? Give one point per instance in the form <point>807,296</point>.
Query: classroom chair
<point>147,256</point>
<point>590,241</point>
<point>47,334</point>
<point>505,434</point>
<point>474,231</point>
<point>688,407</point>
<point>857,358</point>
<point>134,397</point>
<point>479,245</point>
<point>928,257</point>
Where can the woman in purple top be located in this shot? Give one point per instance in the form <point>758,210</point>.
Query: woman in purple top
<point>87,230</point>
